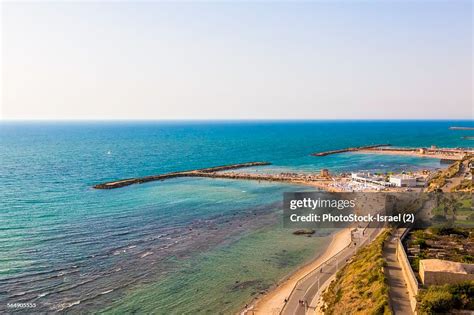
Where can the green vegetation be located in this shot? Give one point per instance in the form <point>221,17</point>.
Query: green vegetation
<point>464,186</point>
<point>445,230</point>
<point>360,287</point>
<point>455,209</point>
<point>447,242</point>
<point>442,299</point>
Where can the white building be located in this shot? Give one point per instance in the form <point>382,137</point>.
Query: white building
<point>369,179</point>
<point>403,180</point>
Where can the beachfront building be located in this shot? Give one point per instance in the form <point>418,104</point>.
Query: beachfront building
<point>370,179</point>
<point>403,180</point>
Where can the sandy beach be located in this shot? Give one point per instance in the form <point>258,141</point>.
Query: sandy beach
<point>273,301</point>
<point>450,156</point>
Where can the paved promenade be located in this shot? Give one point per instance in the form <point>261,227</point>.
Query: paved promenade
<point>308,287</point>
<point>398,292</point>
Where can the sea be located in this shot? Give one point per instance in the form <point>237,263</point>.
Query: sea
<point>180,246</point>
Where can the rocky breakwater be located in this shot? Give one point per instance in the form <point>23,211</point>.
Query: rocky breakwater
<point>350,149</point>
<point>190,173</point>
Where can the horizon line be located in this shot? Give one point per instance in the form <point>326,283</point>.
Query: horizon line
<point>224,119</point>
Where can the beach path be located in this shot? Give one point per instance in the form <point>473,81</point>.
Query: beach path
<point>398,293</point>
<point>273,302</point>
<point>311,286</point>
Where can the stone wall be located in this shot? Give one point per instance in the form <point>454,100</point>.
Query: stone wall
<point>408,274</point>
<point>440,277</point>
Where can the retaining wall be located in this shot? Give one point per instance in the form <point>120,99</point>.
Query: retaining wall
<point>408,274</point>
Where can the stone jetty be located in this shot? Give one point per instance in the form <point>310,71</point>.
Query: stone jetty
<point>204,172</point>
<point>367,147</point>
<point>446,155</point>
<point>461,128</point>
<point>295,178</point>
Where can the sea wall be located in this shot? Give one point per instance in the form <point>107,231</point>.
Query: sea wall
<point>349,149</point>
<point>203,172</point>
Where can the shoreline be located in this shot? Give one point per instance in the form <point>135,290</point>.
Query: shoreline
<point>438,156</point>
<point>273,301</point>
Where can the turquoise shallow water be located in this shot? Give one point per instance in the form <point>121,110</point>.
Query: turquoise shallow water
<point>66,246</point>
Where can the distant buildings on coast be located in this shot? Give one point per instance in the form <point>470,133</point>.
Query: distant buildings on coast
<point>400,180</point>
<point>404,180</point>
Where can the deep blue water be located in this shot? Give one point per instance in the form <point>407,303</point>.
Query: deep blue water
<point>53,223</point>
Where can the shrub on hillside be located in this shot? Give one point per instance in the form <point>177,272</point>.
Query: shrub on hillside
<point>442,299</point>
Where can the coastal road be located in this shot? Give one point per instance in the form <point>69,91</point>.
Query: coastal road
<point>456,180</point>
<point>309,286</point>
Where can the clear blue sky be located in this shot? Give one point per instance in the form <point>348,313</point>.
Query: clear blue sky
<point>249,60</point>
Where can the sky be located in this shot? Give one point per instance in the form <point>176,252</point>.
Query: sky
<point>237,60</point>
